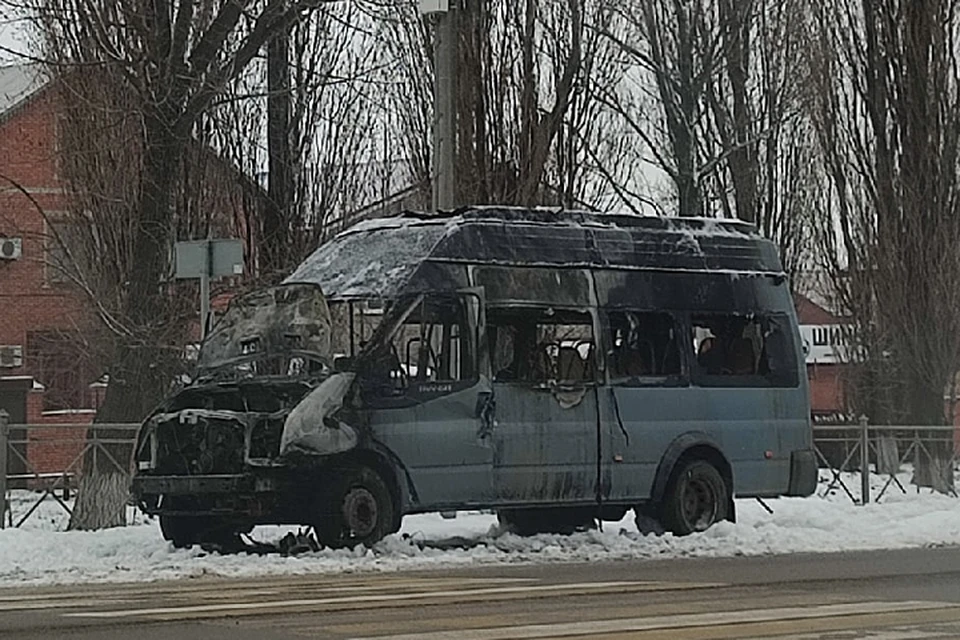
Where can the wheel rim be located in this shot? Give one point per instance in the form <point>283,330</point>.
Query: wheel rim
<point>360,512</point>
<point>699,503</point>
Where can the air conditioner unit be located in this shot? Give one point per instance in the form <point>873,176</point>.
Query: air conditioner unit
<point>11,355</point>
<point>11,248</point>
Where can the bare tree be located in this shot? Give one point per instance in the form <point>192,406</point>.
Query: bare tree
<point>673,49</point>
<point>279,206</point>
<point>713,94</point>
<point>335,119</point>
<point>331,165</point>
<point>527,117</point>
<point>170,60</point>
<point>402,47</point>
<point>90,243</point>
<point>886,101</point>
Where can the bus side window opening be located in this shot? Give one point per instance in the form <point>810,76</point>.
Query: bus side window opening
<point>643,345</point>
<point>744,345</point>
<point>540,346</point>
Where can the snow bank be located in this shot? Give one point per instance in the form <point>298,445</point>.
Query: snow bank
<point>37,554</point>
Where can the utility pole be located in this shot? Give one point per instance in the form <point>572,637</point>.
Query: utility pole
<point>276,218</point>
<point>205,290</point>
<point>444,106</point>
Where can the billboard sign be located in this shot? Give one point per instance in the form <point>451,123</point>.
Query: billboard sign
<point>826,343</point>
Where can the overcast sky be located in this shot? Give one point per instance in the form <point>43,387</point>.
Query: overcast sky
<point>11,34</point>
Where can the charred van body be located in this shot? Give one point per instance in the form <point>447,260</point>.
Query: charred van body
<point>557,367</point>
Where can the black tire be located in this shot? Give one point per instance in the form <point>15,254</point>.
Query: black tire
<point>180,530</point>
<point>357,510</point>
<point>647,519</point>
<point>696,498</point>
<point>186,531</point>
<point>514,521</point>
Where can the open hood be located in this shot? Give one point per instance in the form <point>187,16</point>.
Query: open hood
<point>283,321</point>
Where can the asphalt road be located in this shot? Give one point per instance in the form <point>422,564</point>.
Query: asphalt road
<point>888,595</point>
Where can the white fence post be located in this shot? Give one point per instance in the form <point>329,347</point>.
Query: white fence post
<point>864,461</point>
<point>4,452</point>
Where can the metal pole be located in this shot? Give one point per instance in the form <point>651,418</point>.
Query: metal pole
<point>864,461</point>
<point>4,437</point>
<point>445,110</point>
<point>205,291</point>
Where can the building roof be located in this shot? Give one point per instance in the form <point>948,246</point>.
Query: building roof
<point>810,312</point>
<point>818,289</point>
<point>18,83</point>
<point>378,257</point>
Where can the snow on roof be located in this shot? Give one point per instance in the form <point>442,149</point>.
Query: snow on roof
<point>378,257</point>
<point>361,264</point>
<point>18,82</point>
<point>693,226</point>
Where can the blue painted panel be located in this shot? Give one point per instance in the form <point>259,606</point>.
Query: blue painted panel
<point>439,443</point>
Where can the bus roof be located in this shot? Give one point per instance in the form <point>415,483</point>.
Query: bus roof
<point>378,258</point>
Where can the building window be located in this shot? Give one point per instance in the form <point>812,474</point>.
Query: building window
<point>59,364</point>
<point>64,242</point>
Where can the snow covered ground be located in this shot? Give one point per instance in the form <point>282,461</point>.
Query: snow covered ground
<point>41,553</point>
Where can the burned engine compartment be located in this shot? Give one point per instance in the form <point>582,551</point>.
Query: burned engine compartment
<point>270,350</point>
<point>219,428</point>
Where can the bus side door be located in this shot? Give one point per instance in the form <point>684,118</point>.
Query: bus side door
<point>544,386</point>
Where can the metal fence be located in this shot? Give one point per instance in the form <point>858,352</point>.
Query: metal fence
<point>49,460</point>
<point>880,452</point>
<point>842,450</point>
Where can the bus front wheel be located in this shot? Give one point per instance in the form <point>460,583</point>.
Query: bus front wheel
<point>357,510</point>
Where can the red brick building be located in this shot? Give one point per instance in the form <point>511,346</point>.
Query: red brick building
<point>44,376</point>
<point>41,377</point>
<point>823,333</point>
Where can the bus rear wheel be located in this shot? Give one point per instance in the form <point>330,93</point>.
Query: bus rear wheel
<point>697,497</point>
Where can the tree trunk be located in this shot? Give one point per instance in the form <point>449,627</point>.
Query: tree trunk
<point>932,461</point>
<point>529,118</point>
<point>743,159</point>
<point>101,501</point>
<point>681,123</point>
<point>139,376</point>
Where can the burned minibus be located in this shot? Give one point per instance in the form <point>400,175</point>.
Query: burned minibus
<point>557,367</point>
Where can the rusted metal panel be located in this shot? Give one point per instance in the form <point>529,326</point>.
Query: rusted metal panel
<point>275,321</point>
<point>444,444</point>
<point>544,452</point>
